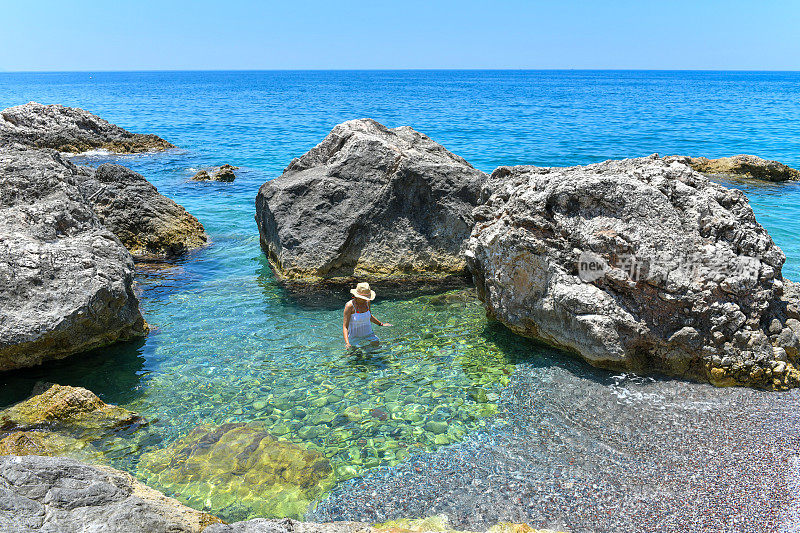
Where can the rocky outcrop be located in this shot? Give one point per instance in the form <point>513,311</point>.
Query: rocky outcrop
<point>254,474</point>
<point>66,282</point>
<point>638,264</point>
<point>52,405</point>
<point>148,223</point>
<point>69,129</point>
<point>57,494</point>
<point>750,166</point>
<point>224,173</point>
<point>369,202</point>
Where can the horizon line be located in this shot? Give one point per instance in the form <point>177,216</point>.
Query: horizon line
<point>445,69</point>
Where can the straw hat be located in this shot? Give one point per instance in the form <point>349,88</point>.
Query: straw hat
<point>363,291</point>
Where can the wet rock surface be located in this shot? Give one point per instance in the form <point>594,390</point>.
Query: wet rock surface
<point>581,450</point>
<point>369,202</point>
<point>224,173</point>
<point>148,223</point>
<point>69,129</point>
<point>54,494</point>
<point>66,282</point>
<point>638,264</point>
<point>749,166</point>
<point>250,473</point>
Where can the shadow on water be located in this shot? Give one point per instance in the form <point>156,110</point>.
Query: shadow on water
<point>329,296</point>
<point>113,373</point>
<point>537,354</point>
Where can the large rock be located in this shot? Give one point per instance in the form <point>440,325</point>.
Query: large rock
<point>750,166</point>
<point>148,223</point>
<point>55,494</point>
<point>66,282</point>
<point>247,472</point>
<point>69,129</point>
<point>369,202</point>
<point>639,264</point>
<point>52,405</point>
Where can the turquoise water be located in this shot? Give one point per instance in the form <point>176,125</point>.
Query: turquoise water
<point>228,345</point>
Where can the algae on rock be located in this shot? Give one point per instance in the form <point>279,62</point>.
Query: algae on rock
<point>240,471</point>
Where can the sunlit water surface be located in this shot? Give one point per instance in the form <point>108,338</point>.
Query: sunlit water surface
<point>529,434</point>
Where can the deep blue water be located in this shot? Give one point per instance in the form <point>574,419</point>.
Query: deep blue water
<point>226,339</point>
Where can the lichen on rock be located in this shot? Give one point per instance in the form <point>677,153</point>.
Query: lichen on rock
<point>239,470</point>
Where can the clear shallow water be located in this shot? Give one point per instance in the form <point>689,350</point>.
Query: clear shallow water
<point>230,345</point>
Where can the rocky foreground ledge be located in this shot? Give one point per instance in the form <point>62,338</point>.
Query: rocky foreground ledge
<point>69,129</point>
<point>368,201</point>
<point>59,494</point>
<point>641,264</point>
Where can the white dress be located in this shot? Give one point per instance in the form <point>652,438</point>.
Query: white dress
<point>359,331</point>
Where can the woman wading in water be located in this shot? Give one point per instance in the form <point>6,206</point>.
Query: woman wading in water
<point>358,319</point>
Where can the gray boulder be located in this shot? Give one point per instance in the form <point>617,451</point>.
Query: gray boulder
<point>69,129</point>
<point>749,166</point>
<point>639,264</point>
<point>148,223</point>
<point>57,495</point>
<point>369,202</point>
<point>66,282</point>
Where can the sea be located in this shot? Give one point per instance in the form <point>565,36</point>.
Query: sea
<point>456,416</point>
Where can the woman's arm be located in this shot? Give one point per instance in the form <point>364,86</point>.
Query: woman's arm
<point>376,321</point>
<point>348,312</point>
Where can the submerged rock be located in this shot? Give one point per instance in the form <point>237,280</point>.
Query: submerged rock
<point>743,165</point>
<point>66,282</point>
<point>69,129</point>
<point>249,473</point>
<point>60,494</point>
<point>147,222</point>
<point>47,443</point>
<point>52,405</point>
<point>371,202</point>
<point>638,264</point>
<point>224,173</point>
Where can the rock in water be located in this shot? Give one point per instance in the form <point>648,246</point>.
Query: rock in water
<point>371,202</point>
<point>66,282</point>
<point>147,223</point>
<point>69,129</point>
<point>638,264</point>
<point>58,494</point>
<point>250,472</point>
<point>224,173</point>
<point>743,165</point>
<point>52,405</point>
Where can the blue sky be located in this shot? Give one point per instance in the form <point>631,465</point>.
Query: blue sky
<point>246,34</point>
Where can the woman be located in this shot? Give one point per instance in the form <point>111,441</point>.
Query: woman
<point>358,319</point>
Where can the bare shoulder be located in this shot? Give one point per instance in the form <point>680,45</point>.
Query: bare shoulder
<point>348,307</point>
